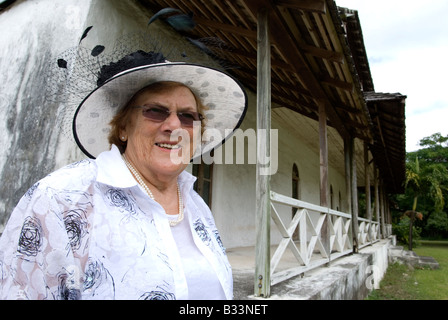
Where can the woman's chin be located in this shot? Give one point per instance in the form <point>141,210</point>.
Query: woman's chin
<point>169,163</point>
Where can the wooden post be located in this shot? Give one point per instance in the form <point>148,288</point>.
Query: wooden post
<point>367,187</point>
<point>348,175</point>
<point>377,197</point>
<point>348,179</point>
<point>389,215</point>
<point>262,285</point>
<point>354,188</point>
<point>383,208</point>
<point>324,182</point>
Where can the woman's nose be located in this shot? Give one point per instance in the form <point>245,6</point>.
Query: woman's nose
<point>171,123</point>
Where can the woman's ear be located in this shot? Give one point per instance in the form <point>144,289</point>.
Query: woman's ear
<point>123,135</point>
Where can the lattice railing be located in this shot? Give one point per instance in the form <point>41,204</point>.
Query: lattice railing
<point>306,245</point>
<point>368,232</point>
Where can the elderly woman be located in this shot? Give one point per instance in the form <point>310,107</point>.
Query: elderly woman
<point>127,223</point>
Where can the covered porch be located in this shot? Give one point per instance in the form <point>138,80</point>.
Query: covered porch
<point>307,58</point>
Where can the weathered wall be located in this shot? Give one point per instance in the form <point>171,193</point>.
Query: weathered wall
<point>32,32</point>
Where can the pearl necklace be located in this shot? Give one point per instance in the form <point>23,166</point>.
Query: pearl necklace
<point>148,191</point>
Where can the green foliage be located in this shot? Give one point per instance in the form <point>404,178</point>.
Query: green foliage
<point>437,225</point>
<point>434,149</point>
<point>426,188</point>
<point>401,230</point>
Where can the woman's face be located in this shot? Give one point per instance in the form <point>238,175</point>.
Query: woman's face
<point>152,146</point>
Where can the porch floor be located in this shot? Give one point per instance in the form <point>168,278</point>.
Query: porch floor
<point>328,282</point>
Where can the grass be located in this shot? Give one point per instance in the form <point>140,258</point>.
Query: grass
<point>403,283</point>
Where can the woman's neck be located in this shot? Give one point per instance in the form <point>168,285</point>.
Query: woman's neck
<point>162,188</point>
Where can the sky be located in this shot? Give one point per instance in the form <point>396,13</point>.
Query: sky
<point>407,47</point>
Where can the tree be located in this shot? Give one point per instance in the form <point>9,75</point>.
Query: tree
<point>437,225</point>
<point>427,179</point>
<point>413,180</point>
<point>434,150</point>
<point>414,184</point>
<point>434,163</point>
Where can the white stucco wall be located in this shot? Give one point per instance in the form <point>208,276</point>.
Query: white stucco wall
<point>32,32</point>
<point>234,185</point>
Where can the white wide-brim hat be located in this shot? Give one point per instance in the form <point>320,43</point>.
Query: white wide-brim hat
<point>224,97</point>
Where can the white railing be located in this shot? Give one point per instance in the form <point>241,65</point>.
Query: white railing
<point>307,246</point>
<point>368,232</point>
<point>388,230</point>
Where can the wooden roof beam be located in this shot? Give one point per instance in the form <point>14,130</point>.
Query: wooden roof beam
<point>290,87</point>
<point>305,5</point>
<point>242,31</point>
<point>323,53</point>
<point>338,83</point>
<point>347,108</point>
<point>293,54</point>
<point>292,106</point>
<point>250,34</point>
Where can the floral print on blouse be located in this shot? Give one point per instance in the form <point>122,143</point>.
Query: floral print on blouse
<point>89,231</point>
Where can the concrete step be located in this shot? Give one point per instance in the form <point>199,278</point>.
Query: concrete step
<point>410,258</point>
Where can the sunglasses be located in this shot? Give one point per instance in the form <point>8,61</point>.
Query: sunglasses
<point>159,114</point>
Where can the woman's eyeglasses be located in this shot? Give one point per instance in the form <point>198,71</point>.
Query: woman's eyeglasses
<point>158,114</point>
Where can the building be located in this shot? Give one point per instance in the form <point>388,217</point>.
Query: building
<point>305,67</point>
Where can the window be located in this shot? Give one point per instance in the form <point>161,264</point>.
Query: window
<point>203,185</point>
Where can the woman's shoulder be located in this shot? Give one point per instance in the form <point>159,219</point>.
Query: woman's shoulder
<point>76,174</point>
<point>61,189</point>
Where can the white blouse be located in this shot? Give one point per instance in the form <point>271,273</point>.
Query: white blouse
<point>198,271</point>
<point>89,231</point>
